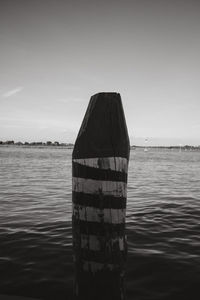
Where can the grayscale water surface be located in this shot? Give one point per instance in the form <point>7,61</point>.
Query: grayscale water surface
<point>163,223</point>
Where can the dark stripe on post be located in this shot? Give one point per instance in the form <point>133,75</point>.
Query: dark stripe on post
<point>98,174</point>
<point>94,228</point>
<point>99,201</point>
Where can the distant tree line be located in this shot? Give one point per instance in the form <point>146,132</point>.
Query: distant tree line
<point>48,143</point>
<point>70,145</point>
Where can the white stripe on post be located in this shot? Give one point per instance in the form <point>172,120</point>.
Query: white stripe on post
<point>91,186</point>
<point>93,214</point>
<point>119,164</point>
<point>93,242</point>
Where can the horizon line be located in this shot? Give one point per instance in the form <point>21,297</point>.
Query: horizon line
<point>57,143</point>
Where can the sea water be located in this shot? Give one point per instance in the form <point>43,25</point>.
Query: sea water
<point>163,223</point>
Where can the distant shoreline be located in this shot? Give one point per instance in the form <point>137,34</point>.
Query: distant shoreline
<point>38,144</point>
<point>186,147</point>
<point>70,145</point>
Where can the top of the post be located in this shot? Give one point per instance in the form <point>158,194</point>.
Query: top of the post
<point>103,132</point>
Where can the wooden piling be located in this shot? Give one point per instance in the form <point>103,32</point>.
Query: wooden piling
<point>99,166</point>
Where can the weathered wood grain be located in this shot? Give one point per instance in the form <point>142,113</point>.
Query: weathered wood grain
<point>91,186</point>
<point>93,214</point>
<point>96,243</point>
<point>108,163</point>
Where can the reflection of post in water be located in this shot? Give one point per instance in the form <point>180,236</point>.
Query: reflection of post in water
<point>100,165</point>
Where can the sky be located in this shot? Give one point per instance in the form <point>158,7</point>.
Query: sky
<point>54,55</point>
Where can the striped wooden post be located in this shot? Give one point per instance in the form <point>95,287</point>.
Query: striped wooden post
<point>99,163</point>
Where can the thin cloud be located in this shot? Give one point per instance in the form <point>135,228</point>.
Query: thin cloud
<point>13,92</point>
<point>70,100</point>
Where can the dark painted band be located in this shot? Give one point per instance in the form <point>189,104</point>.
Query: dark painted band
<point>98,200</point>
<point>87,172</point>
<point>99,229</point>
